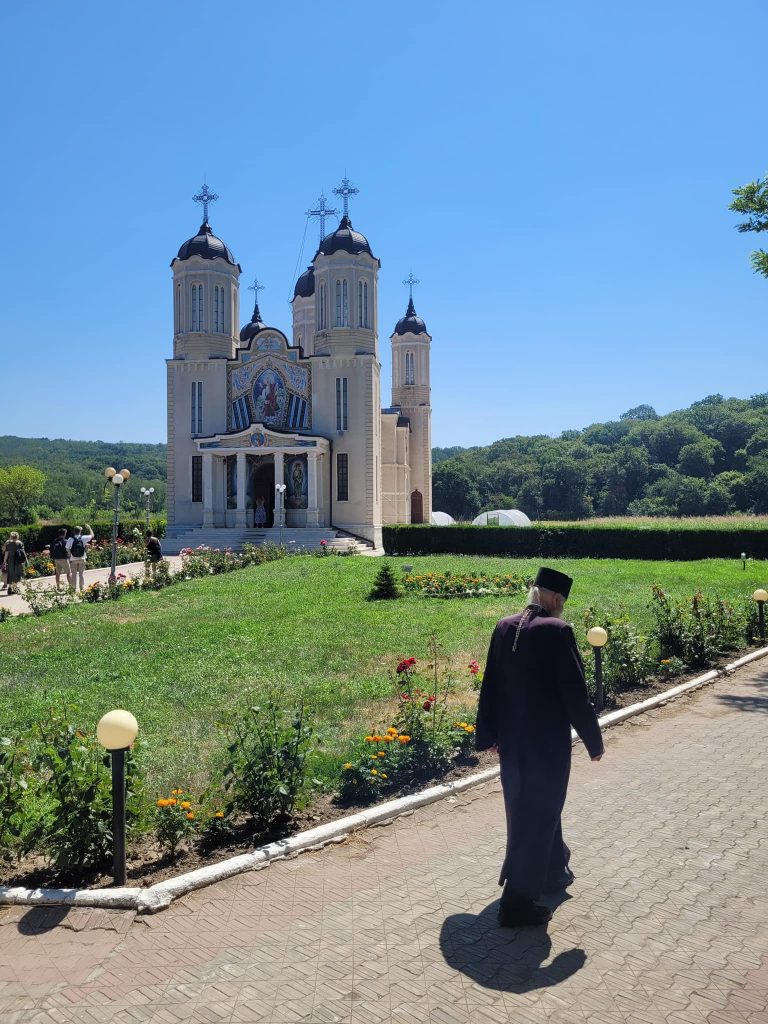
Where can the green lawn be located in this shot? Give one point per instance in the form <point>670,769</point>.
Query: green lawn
<point>182,657</point>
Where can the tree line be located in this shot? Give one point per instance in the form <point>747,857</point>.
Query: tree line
<point>708,459</point>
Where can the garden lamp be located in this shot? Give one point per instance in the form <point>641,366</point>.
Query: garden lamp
<point>147,493</point>
<point>116,732</point>
<point>598,638</point>
<point>761,596</point>
<point>116,479</point>
<point>744,560</point>
<point>280,489</point>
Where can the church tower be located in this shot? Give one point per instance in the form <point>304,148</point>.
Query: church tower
<point>206,315</point>
<point>411,394</point>
<point>335,314</point>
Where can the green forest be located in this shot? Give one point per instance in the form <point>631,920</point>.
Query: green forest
<point>708,459</point>
<point>66,478</point>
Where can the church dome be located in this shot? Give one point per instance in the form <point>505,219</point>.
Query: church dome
<point>410,323</point>
<point>206,245</point>
<point>305,286</point>
<point>344,239</point>
<point>252,329</point>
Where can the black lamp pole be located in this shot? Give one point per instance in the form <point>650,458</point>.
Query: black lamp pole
<point>598,679</point>
<point>118,815</point>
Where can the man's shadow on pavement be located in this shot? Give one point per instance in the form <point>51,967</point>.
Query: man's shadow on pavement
<point>505,959</point>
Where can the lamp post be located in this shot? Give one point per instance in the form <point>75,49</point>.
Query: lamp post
<point>598,638</point>
<point>280,488</point>
<point>116,732</point>
<point>147,493</point>
<point>761,596</point>
<point>744,560</point>
<point>116,479</point>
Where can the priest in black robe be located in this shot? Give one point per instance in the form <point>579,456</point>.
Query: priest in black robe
<point>533,691</point>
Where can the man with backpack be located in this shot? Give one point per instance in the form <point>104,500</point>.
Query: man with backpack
<point>76,546</point>
<point>60,556</point>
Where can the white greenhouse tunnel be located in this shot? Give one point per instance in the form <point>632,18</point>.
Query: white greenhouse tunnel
<point>502,517</point>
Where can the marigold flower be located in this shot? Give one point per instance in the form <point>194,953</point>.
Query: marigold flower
<point>404,739</point>
<point>377,739</point>
<point>186,804</point>
<point>392,730</point>
<point>387,739</point>
<point>191,815</point>
<point>384,775</point>
<point>381,753</point>
<point>369,739</point>
<point>470,728</point>
<point>374,772</point>
<point>162,803</point>
<point>347,766</point>
<point>176,792</point>
<point>172,802</point>
<point>219,814</point>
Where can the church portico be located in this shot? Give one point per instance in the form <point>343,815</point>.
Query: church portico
<point>242,474</point>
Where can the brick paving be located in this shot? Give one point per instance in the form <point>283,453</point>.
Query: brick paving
<point>667,921</point>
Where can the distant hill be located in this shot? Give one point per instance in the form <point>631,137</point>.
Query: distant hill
<point>75,471</point>
<point>708,459</point>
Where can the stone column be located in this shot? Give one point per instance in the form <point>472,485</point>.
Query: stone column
<point>242,489</point>
<point>279,498</point>
<point>207,489</point>
<point>313,512</point>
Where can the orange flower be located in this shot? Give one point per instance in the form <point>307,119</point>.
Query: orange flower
<point>404,739</point>
<point>186,804</point>
<point>369,739</point>
<point>219,814</point>
<point>387,739</point>
<point>381,754</point>
<point>172,802</point>
<point>377,739</point>
<point>191,815</point>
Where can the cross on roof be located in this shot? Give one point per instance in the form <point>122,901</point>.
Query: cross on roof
<point>409,282</point>
<point>205,196</point>
<point>256,288</point>
<point>321,213</point>
<point>345,190</point>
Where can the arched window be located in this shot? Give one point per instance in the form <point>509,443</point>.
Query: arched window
<point>178,309</point>
<point>344,304</point>
<point>362,303</point>
<point>218,309</point>
<point>322,310</point>
<point>410,372</point>
<point>365,304</point>
<point>338,303</point>
<point>198,323</point>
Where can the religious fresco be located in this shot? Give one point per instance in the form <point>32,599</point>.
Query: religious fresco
<point>268,398</point>
<point>296,494</point>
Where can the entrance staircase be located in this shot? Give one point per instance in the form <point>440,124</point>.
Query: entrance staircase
<point>177,538</point>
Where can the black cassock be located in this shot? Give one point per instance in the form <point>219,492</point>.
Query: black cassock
<point>532,693</point>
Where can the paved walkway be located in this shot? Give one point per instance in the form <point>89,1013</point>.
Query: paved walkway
<point>16,604</point>
<point>668,920</point>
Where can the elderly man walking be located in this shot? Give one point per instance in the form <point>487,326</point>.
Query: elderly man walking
<point>533,691</point>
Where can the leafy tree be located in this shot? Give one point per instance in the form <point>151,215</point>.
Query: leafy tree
<point>752,200</point>
<point>696,459</point>
<point>640,412</point>
<point>21,488</point>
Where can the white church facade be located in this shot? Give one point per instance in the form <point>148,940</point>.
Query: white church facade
<point>285,431</point>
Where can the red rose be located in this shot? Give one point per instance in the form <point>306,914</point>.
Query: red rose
<point>427,706</point>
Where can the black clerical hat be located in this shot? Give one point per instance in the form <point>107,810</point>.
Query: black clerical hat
<point>551,579</point>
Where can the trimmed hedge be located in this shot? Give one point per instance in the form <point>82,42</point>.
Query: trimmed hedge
<point>37,536</point>
<point>579,540</point>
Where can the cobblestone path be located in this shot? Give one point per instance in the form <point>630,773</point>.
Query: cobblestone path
<point>667,921</point>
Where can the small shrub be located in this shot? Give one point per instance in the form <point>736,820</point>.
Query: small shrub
<point>266,770</point>
<point>15,776</point>
<point>42,600</point>
<point>628,660</point>
<point>385,586</point>
<point>696,630</point>
<point>174,820</point>
<point>670,668</point>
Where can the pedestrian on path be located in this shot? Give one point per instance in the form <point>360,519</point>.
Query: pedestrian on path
<point>154,552</point>
<point>60,556</point>
<point>77,548</point>
<point>14,560</point>
<point>533,691</point>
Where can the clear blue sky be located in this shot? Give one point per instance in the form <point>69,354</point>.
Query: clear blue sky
<point>557,175</point>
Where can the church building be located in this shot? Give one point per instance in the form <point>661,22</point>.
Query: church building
<point>272,431</point>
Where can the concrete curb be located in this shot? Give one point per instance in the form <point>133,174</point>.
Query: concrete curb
<point>162,894</point>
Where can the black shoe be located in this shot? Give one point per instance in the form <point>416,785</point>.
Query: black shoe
<point>566,879</point>
<point>522,912</point>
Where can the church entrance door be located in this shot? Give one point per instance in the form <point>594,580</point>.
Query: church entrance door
<point>263,490</point>
<point>417,507</point>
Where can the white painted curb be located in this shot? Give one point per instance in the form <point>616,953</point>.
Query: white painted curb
<point>161,895</point>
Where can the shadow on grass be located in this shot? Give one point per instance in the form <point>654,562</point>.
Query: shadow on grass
<point>756,701</point>
<point>505,959</point>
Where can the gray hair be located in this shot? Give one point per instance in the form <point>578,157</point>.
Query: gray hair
<point>542,597</point>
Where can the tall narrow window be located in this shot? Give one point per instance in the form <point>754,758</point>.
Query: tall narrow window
<point>218,309</point>
<point>360,304</point>
<point>197,308</point>
<point>365,304</point>
<point>197,407</point>
<point>178,309</point>
<point>342,477</point>
<point>342,403</point>
<point>322,310</point>
<point>410,373</point>
<point>338,303</point>
<point>344,304</point>
<point>197,478</point>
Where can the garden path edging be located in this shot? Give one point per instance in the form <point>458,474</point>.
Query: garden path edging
<point>160,895</point>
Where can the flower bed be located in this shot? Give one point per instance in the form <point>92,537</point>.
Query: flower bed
<point>447,584</point>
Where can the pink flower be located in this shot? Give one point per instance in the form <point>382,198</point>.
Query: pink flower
<point>474,668</point>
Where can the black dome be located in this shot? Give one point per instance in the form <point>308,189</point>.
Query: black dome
<point>305,286</point>
<point>344,239</point>
<point>207,245</point>
<point>252,329</point>
<point>410,323</point>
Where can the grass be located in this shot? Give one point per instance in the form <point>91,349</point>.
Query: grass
<point>184,657</point>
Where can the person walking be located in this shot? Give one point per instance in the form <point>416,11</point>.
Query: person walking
<point>77,548</point>
<point>533,691</point>
<point>14,560</point>
<point>60,556</point>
